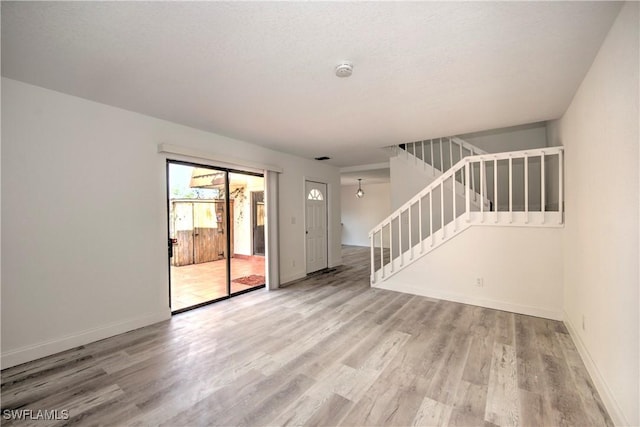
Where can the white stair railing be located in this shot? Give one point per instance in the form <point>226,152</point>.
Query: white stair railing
<point>523,188</point>
<point>439,153</point>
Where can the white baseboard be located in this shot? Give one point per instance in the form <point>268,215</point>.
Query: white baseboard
<point>36,351</point>
<point>286,280</point>
<point>467,299</point>
<point>606,395</point>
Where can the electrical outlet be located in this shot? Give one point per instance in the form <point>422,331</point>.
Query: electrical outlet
<point>583,323</point>
<point>480,282</point>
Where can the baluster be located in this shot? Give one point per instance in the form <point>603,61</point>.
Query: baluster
<point>442,209</point>
<point>415,156</point>
<point>431,215</point>
<point>560,195</point>
<point>441,157</point>
<point>526,188</point>
<point>433,163</point>
<point>373,256</point>
<point>467,191</point>
<point>455,213</point>
<point>542,185</point>
<point>473,182</point>
<point>424,161</point>
<point>510,189</point>
<point>391,243</point>
<point>420,224</point>
<point>400,251</point>
<point>486,190</point>
<point>410,231</point>
<point>381,254</point>
<point>460,145</point>
<point>495,188</point>
<point>482,190</point>
<point>450,154</point>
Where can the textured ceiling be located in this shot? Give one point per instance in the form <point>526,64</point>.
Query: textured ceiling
<point>263,71</point>
<point>375,174</point>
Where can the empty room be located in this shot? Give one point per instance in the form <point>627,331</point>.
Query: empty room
<point>320,213</point>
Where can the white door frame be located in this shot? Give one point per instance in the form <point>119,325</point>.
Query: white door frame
<point>327,205</point>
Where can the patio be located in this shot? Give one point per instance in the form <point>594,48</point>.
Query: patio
<point>197,283</point>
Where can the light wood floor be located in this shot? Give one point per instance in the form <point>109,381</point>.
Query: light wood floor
<point>328,350</point>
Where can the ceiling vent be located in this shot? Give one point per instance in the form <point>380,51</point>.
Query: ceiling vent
<point>344,69</point>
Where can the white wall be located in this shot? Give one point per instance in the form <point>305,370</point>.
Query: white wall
<point>359,216</point>
<point>84,217</point>
<point>600,134</point>
<point>514,138</point>
<point>407,180</point>
<point>521,270</point>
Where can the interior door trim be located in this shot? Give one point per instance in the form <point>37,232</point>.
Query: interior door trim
<point>326,200</point>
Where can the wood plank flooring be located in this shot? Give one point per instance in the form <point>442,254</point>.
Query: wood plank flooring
<point>327,350</point>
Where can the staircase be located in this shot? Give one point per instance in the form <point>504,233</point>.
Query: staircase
<point>469,188</point>
<point>439,154</point>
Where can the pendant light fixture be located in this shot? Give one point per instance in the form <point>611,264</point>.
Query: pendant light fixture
<point>359,193</point>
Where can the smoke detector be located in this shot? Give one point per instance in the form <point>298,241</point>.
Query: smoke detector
<point>344,69</point>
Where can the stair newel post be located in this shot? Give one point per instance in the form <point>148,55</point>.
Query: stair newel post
<point>560,195</point>
<point>373,255</point>
<point>510,189</point>
<point>431,215</point>
<point>467,190</point>
<point>526,188</point>
<point>495,188</point>
<point>542,185</point>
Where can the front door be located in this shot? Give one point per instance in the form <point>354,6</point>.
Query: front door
<point>316,226</point>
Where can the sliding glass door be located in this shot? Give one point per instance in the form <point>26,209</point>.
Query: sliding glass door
<point>212,234</point>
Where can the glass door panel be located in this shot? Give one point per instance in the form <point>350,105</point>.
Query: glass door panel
<point>198,235</point>
<point>246,198</point>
